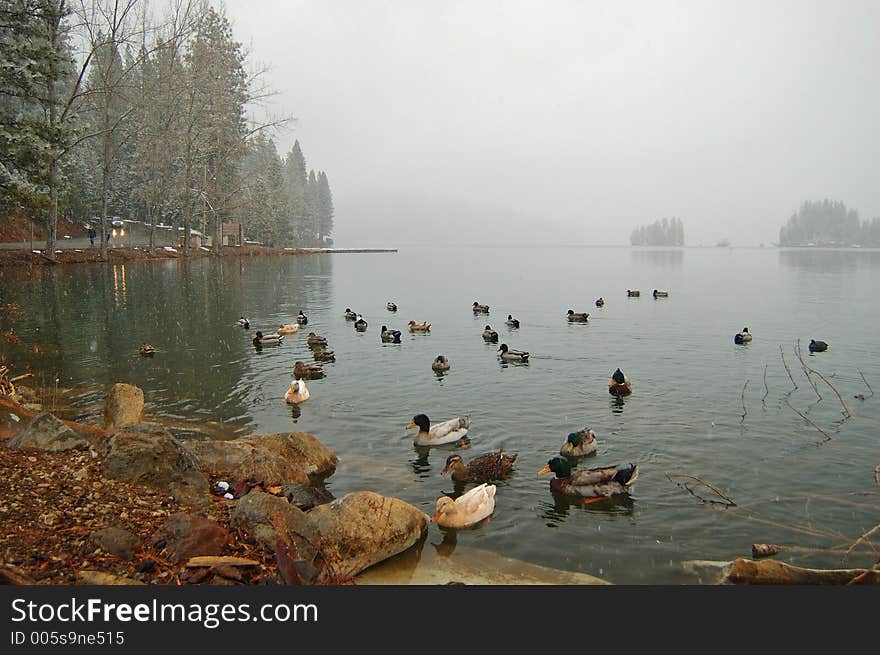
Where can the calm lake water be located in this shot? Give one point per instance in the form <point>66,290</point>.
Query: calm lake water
<point>684,417</point>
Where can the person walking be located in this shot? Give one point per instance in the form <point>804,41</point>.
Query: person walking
<point>92,235</point>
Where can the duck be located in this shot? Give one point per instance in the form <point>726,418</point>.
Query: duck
<point>440,363</point>
<point>360,324</point>
<point>261,339</point>
<point>419,327</point>
<point>307,371</point>
<point>466,510</point>
<point>489,334</point>
<point>288,328</point>
<point>817,346</point>
<point>301,318</point>
<point>661,294</point>
<point>602,482</point>
<point>350,315</point>
<point>742,337</point>
<point>600,302</point>
<point>316,340</point>
<point>322,355</point>
<point>297,393</point>
<point>455,429</point>
<point>513,355</point>
<point>578,444</point>
<point>619,385</point>
<point>480,309</point>
<point>147,350</point>
<point>577,317</point>
<point>390,336</point>
<point>243,322</point>
<point>391,307</point>
<point>485,468</point>
<point>632,294</point>
<point>511,322</point>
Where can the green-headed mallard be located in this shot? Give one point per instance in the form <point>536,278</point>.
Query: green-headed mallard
<point>632,294</point>
<point>513,355</point>
<point>440,363</point>
<point>466,510</point>
<point>243,322</point>
<point>577,317</point>
<point>307,371</point>
<point>592,483</point>
<point>391,307</point>
<point>288,328</point>
<point>578,444</point>
<point>147,350</point>
<point>316,340</point>
<point>818,346</point>
<point>323,355</point>
<point>619,384</point>
<point>600,302</point>
<point>489,334</point>
<point>485,468</point>
<point>390,336</point>
<point>261,339</point>
<point>350,315</point>
<point>301,318</point>
<point>419,327</point>
<point>455,429</point>
<point>511,321</point>
<point>661,294</point>
<point>360,324</point>
<point>480,309</point>
<point>742,337</point>
<point>297,393</point>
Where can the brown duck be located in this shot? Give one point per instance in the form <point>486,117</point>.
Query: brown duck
<point>491,466</point>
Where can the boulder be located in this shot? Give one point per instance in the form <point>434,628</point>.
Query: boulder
<point>306,497</point>
<point>186,536</point>
<point>116,541</point>
<point>148,454</point>
<point>363,528</point>
<point>272,459</point>
<point>45,432</point>
<point>123,407</point>
<point>270,519</point>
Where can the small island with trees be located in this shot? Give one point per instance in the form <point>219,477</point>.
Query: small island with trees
<point>665,232</point>
<point>829,223</point>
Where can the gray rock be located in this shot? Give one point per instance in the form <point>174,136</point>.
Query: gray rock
<point>116,541</point>
<point>123,407</point>
<point>306,497</point>
<point>45,432</point>
<point>188,536</point>
<point>148,454</point>
<point>270,518</point>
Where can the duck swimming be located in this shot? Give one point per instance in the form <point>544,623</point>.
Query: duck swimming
<point>301,318</point>
<point>480,309</point>
<point>419,327</point>
<point>440,363</point>
<point>600,302</point>
<point>485,468</point>
<point>147,350</point>
<point>489,334</point>
<point>818,346</point>
<point>632,294</point>
<point>455,429</point>
<point>466,510</point>
<point>619,385</point>
<point>288,328</point>
<point>316,340</point>
<point>243,322</point>
<point>297,393</point>
<point>360,324</point>
<point>391,307</point>
<point>742,337</point>
<point>513,355</point>
<point>575,317</point>
<point>511,322</point>
<point>591,483</point>
<point>307,371</point>
<point>350,315</point>
<point>390,336</point>
<point>322,355</point>
<point>661,294</point>
<point>578,444</point>
<point>261,339</point>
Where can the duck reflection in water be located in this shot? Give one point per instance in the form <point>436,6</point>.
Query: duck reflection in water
<point>295,412</point>
<point>447,545</point>
<point>557,513</point>
<point>617,403</point>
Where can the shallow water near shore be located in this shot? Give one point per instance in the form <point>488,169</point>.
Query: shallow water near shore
<point>689,414</point>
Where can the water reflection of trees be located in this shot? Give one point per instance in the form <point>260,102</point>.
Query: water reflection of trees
<point>830,261</point>
<point>665,258</point>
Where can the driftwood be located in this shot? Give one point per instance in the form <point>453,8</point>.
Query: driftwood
<point>787,370</point>
<point>768,550</point>
<point>209,560</point>
<point>746,571</point>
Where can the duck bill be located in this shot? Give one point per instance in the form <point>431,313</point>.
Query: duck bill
<point>436,517</point>
<point>545,470</point>
<point>445,470</point>
<point>410,425</point>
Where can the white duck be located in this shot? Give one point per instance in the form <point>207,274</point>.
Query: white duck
<point>466,510</point>
<point>297,393</point>
<point>449,431</point>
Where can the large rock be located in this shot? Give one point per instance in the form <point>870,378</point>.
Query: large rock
<point>123,407</point>
<point>185,536</point>
<point>270,518</point>
<point>270,459</point>
<point>363,528</point>
<point>45,432</point>
<point>148,454</point>
<point>116,541</point>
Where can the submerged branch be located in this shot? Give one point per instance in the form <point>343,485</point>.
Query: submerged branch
<point>727,500</point>
<point>866,383</point>
<point>787,370</point>
<point>827,436</point>
<point>797,351</point>
<point>743,400</point>
<point>766,388</point>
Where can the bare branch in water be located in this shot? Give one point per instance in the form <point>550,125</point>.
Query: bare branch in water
<point>743,399</point>
<point>827,436</point>
<point>797,351</point>
<point>766,388</point>
<point>846,409</point>
<point>728,501</point>
<point>864,538</point>
<point>787,370</point>
<point>866,383</point>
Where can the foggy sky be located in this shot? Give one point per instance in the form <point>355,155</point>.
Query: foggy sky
<point>573,122</point>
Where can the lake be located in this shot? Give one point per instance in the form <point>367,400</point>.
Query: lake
<point>699,408</point>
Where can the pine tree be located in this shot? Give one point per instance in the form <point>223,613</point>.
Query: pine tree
<point>325,207</point>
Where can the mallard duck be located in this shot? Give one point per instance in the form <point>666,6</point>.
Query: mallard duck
<point>455,429</point>
<point>243,322</point>
<point>466,510</point>
<point>485,468</point>
<point>742,337</point>
<point>577,317</point>
<point>307,371</point>
<point>297,393</point>
<point>390,336</point>
<point>350,315</point>
<point>440,363</point>
<point>322,355</point>
<point>480,309</point>
<point>489,334</point>
<point>578,444</point>
<point>288,328</point>
<point>391,307</point>
<point>661,294</point>
<point>511,322</point>
<point>301,318</point>
<point>619,385</point>
<point>513,355</point>
<point>419,327</point>
<point>591,483</point>
<point>360,324</point>
<point>261,339</point>
<point>818,346</point>
<point>315,340</point>
<point>147,350</point>
<point>600,302</point>
<point>632,294</point>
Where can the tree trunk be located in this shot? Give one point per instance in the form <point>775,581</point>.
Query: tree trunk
<point>151,220</point>
<point>52,216</point>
